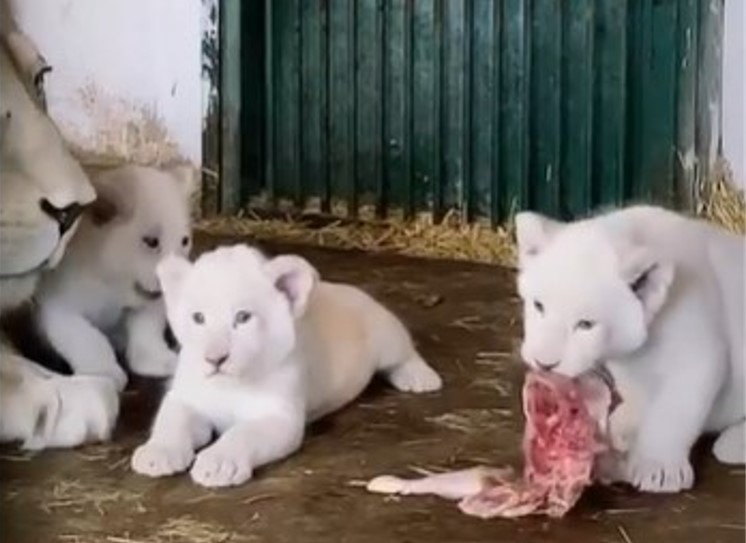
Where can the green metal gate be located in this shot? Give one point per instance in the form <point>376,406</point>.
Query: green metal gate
<point>483,106</point>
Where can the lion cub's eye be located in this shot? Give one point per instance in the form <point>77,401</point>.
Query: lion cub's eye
<point>151,242</point>
<point>198,317</point>
<point>539,306</point>
<point>584,325</point>
<point>241,318</point>
<point>185,241</point>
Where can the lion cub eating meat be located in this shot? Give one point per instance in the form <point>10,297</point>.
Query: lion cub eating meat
<point>657,299</point>
<point>265,347</point>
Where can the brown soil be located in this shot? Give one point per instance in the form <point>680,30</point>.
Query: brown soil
<point>465,318</point>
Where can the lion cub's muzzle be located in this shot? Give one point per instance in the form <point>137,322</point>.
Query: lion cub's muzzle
<point>145,293</point>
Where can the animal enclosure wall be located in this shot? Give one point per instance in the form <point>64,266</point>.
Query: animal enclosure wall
<point>476,105</point>
<point>125,80</point>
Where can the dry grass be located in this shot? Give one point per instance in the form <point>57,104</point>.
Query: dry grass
<point>183,529</point>
<point>722,203</point>
<point>623,533</point>
<point>79,497</point>
<point>189,530</point>
<point>470,421</point>
<point>450,238</point>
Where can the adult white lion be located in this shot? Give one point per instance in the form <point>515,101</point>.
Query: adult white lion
<point>43,191</point>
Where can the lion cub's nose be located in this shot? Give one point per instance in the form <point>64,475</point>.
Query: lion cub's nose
<point>217,361</point>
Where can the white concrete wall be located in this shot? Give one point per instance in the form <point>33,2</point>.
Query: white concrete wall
<point>734,90</point>
<point>126,79</point>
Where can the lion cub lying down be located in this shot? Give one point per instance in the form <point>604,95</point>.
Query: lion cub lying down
<point>265,347</point>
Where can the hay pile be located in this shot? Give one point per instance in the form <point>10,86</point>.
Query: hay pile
<point>722,203</point>
<point>451,238</point>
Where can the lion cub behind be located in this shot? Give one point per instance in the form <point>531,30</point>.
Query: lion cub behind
<point>265,347</point>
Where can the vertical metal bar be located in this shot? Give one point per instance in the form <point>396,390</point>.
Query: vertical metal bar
<point>287,97</point>
<point>269,96</point>
<point>230,97</point>
<point>468,196</point>
<point>312,86</point>
<point>495,213</point>
<point>610,107</point>
<point>211,113</point>
<point>423,105</point>
<point>576,136</point>
<point>544,134</point>
<point>437,112</point>
<point>409,205</point>
<point>341,105</point>
<point>482,102</point>
<point>686,61</point>
<point>514,102</point>
<point>352,185</point>
<point>453,120</point>
<point>709,84</point>
<point>368,96</point>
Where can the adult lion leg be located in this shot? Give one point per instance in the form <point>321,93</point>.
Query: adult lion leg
<point>42,409</point>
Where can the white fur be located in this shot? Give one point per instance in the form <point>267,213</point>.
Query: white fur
<point>54,410</point>
<point>304,349</point>
<point>37,407</point>
<point>663,299</point>
<point>99,285</point>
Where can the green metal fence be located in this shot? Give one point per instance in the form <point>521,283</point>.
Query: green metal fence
<point>477,105</point>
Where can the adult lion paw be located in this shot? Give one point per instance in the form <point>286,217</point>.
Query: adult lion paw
<point>216,467</point>
<point>87,411</point>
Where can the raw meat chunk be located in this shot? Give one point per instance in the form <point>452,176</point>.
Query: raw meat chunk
<point>566,423</point>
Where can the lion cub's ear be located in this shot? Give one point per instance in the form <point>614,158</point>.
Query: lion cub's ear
<point>186,176</point>
<point>294,277</point>
<point>114,196</point>
<point>172,270</point>
<point>533,233</point>
<point>649,277</point>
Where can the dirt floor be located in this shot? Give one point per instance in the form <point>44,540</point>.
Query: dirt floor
<point>465,318</point>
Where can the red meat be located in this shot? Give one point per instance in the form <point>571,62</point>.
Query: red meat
<point>564,439</point>
<point>565,432</point>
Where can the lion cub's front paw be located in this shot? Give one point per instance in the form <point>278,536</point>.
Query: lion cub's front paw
<point>159,460</point>
<point>665,475</point>
<point>160,364</point>
<point>215,467</point>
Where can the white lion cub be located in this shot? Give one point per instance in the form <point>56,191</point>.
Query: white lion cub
<point>106,290</point>
<point>659,299</point>
<point>265,347</point>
